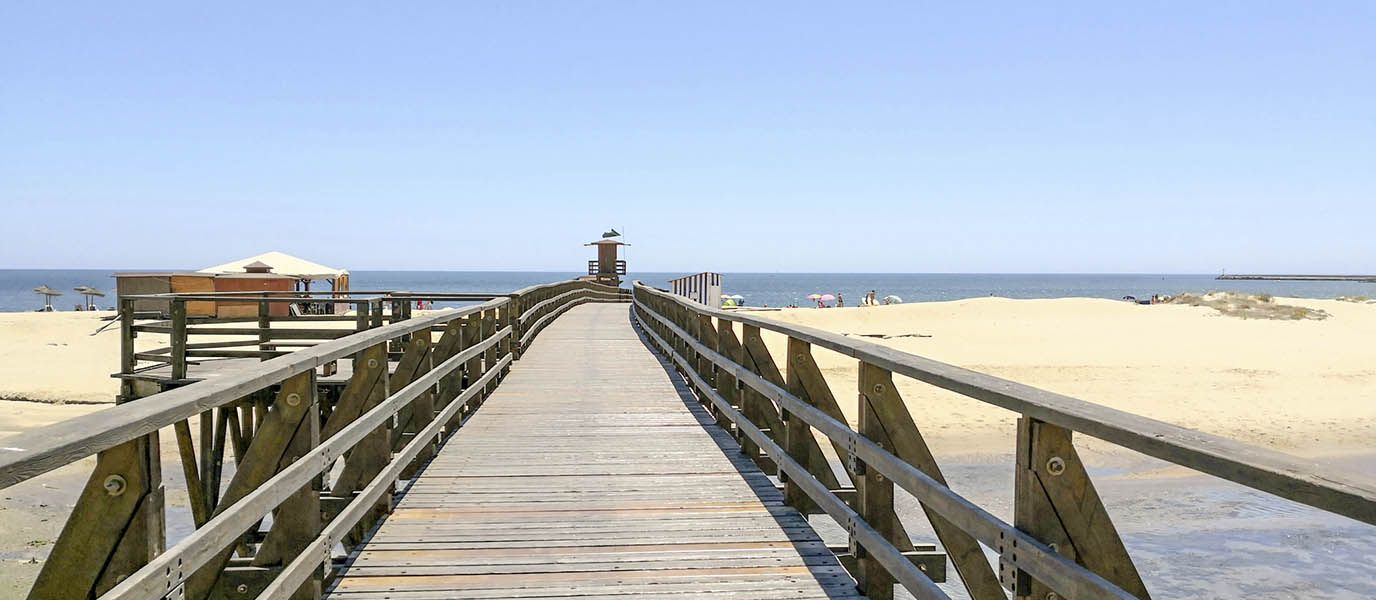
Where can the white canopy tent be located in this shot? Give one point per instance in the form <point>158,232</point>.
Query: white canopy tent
<point>291,266</point>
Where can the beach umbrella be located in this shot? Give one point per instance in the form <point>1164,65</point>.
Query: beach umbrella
<point>893,299</point>
<point>737,297</point>
<point>88,292</point>
<point>828,297</point>
<point>47,294</point>
<point>728,302</point>
<point>814,296</point>
<point>725,297</point>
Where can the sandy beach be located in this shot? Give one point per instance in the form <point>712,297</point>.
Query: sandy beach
<point>53,358</point>
<point>1305,387</point>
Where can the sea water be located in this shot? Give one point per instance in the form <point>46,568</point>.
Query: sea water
<point>758,289</point>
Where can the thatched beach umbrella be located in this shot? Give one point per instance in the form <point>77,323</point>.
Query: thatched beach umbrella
<point>88,292</point>
<point>47,294</point>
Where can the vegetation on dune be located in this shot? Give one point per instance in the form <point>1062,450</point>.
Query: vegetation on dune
<point>1357,299</point>
<point>1250,306</point>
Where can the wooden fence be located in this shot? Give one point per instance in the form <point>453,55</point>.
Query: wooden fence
<point>194,339</point>
<point>1061,544</point>
<point>312,471</point>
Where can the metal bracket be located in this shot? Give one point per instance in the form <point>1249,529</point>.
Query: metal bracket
<point>177,593</point>
<point>1007,549</point>
<point>853,462</point>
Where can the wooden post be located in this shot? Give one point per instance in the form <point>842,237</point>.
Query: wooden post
<point>362,320</point>
<point>875,492</point>
<point>209,490</point>
<point>264,328</point>
<point>217,451</point>
<point>727,386</point>
<point>516,329</point>
<point>489,327</point>
<point>375,309</point>
<point>473,369</point>
<point>1056,502</point>
<point>453,384</point>
<point>394,316</point>
<point>707,336</point>
<point>178,313</point>
<point>127,362</point>
<point>504,347</point>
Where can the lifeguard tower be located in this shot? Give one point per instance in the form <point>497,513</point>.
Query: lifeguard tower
<point>607,269</point>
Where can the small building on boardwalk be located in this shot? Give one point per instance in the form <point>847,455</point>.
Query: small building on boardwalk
<point>703,288</point>
<point>607,269</point>
<point>268,272</point>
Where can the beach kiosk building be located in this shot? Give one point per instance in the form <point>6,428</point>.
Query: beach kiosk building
<point>703,288</point>
<point>267,272</point>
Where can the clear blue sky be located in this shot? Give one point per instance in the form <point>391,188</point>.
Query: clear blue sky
<point>740,136</point>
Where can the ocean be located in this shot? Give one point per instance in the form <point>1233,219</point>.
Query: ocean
<point>772,289</point>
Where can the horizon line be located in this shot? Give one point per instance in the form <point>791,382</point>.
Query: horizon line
<point>630,277</point>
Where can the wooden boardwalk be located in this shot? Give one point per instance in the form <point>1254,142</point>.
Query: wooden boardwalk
<point>592,473</point>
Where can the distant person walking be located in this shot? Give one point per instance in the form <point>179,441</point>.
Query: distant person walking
<point>840,301</point>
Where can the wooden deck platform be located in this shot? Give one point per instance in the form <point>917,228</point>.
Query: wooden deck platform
<point>200,370</point>
<point>592,473</point>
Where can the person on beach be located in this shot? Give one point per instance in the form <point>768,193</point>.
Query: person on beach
<point>839,300</point>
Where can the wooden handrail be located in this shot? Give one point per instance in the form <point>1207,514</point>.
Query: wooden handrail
<point>201,546</point>
<point>35,452</point>
<point>111,543</point>
<point>1038,558</point>
<point>1303,480</point>
<point>29,454</point>
<point>1055,501</point>
<point>318,551</point>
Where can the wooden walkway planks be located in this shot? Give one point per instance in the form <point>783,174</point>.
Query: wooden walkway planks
<point>591,473</point>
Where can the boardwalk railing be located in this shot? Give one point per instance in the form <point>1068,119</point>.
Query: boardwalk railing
<point>313,471</point>
<point>193,336</point>
<point>1061,543</point>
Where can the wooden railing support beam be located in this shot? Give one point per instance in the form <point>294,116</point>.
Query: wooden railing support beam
<point>895,431</point>
<point>1056,503</point>
<point>263,459</point>
<point>115,527</point>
